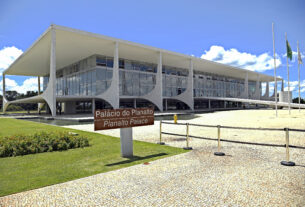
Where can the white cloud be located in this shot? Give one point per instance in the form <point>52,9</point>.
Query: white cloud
<point>30,84</point>
<point>294,86</point>
<point>7,56</point>
<point>244,60</point>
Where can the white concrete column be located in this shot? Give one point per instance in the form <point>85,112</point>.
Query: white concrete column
<point>165,104</point>
<point>111,95</point>
<point>267,90</point>
<point>156,95</point>
<point>257,91</point>
<point>187,97</point>
<point>246,95</point>
<point>116,101</point>
<point>282,85</point>
<point>50,93</point>
<point>134,103</point>
<point>53,71</point>
<point>209,103</point>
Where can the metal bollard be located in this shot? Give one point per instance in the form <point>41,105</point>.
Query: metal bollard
<point>287,162</point>
<point>175,118</point>
<point>187,138</point>
<point>161,143</point>
<point>218,153</point>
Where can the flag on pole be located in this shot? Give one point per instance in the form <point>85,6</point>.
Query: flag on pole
<point>289,51</point>
<point>299,56</point>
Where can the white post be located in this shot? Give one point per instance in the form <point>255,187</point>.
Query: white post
<point>275,81</point>
<point>53,72</point>
<point>299,79</point>
<point>134,103</point>
<point>126,133</point>
<point>126,142</point>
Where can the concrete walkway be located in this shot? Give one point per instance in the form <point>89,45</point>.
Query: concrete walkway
<point>248,175</point>
<point>245,177</point>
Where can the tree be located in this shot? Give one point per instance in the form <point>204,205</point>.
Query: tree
<point>296,100</point>
<point>14,95</point>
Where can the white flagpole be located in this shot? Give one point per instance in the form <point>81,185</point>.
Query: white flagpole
<point>275,81</point>
<point>299,78</point>
<point>288,76</point>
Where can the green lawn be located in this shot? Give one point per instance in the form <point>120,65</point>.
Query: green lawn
<point>37,170</point>
<point>20,112</point>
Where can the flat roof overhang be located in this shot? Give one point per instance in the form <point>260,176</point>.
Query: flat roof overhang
<point>73,45</point>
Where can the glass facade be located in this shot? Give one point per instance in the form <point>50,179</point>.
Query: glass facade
<point>92,76</point>
<point>210,85</point>
<point>89,77</point>
<point>174,81</point>
<point>136,78</point>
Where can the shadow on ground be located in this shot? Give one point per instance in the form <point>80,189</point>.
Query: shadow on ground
<point>136,158</point>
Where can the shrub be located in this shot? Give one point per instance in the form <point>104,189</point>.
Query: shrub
<point>40,142</point>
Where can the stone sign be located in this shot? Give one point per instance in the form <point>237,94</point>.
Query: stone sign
<point>123,118</point>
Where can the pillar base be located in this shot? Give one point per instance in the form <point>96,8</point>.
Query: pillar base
<point>161,143</point>
<point>219,154</point>
<point>287,163</point>
<point>187,148</point>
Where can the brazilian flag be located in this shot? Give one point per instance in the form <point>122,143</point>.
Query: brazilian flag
<point>289,51</point>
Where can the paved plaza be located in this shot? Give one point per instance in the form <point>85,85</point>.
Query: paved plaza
<point>248,175</point>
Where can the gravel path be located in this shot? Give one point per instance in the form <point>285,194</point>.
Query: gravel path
<point>247,176</point>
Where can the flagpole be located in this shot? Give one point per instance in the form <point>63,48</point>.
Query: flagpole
<point>275,81</point>
<point>299,78</point>
<point>288,78</point>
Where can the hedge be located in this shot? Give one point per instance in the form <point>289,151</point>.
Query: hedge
<point>40,142</point>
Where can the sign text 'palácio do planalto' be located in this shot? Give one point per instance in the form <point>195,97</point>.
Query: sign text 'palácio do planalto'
<point>123,118</point>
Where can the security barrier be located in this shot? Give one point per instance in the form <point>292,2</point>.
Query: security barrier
<point>187,136</point>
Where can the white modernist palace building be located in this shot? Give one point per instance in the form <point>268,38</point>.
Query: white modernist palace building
<point>85,71</point>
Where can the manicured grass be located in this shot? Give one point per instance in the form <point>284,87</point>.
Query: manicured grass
<point>20,112</point>
<point>27,172</point>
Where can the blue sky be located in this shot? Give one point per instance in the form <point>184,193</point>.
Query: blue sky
<point>232,32</point>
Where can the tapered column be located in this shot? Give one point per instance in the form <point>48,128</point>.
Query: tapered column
<point>282,85</point>
<point>53,72</point>
<point>156,95</point>
<point>267,90</point>
<point>246,86</point>
<point>257,91</point>
<point>116,101</point>
<point>112,94</point>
